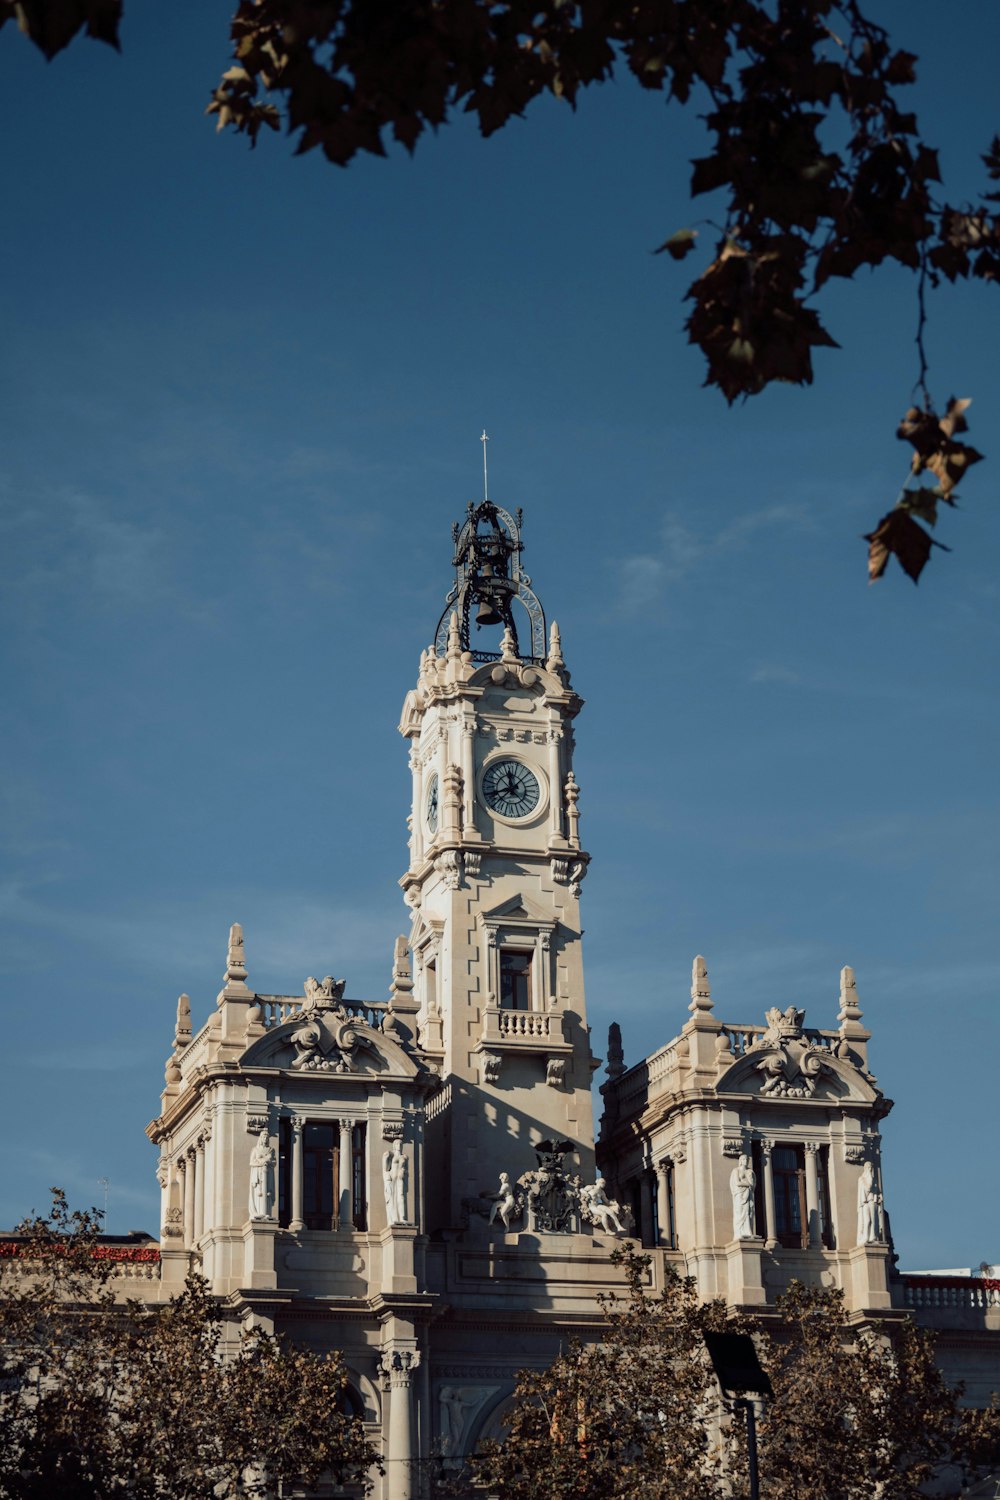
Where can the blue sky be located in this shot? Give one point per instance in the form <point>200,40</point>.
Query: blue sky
<point>242,397</point>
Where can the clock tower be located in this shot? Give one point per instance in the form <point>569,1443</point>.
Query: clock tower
<point>494,879</point>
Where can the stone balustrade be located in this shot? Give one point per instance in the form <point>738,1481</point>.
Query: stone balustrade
<point>971,1292</point>
<point>523,1028</point>
<point>743,1039</point>
<point>280,1008</point>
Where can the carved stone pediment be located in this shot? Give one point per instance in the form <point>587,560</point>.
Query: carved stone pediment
<point>328,1040</point>
<point>792,1069</point>
<point>796,1068</point>
<point>516,910</point>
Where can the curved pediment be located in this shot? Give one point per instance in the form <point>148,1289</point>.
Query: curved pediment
<point>328,1041</point>
<point>796,1069</point>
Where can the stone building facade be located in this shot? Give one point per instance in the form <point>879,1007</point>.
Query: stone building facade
<point>414,1181</point>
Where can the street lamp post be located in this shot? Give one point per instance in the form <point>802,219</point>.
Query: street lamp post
<point>741,1381</point>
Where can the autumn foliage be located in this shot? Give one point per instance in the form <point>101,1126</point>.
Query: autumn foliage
<point>103,1398</point>
<point>857,1412</point>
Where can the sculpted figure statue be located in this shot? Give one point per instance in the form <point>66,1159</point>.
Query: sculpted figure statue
<point>742,1181</point>
<point>505,1206</point>
<point>394,1183</point>
<point>602,1211</point>
<point>869,1207</point>
<point>262,1160</point>
<point>455,1402</point>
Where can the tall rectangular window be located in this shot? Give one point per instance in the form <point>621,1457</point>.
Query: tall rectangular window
<point>665,1234</point>
<point>358,1142</point>
<point>791,1222</point>
<point>320,1173</point>
<point>284,1173</point>
<point>515,979</point>
<point>759,1208</point>
<point>825,1217</point>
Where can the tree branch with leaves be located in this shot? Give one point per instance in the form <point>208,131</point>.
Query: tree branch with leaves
<point>817,168</point>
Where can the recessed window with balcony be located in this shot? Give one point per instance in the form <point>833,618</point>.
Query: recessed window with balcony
<point>515,979</point>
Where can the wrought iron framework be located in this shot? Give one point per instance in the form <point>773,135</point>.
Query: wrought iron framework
<point>488,571</point>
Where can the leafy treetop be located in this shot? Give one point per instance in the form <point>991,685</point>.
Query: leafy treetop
<point>108,1400</point>
<point>856,1411</point>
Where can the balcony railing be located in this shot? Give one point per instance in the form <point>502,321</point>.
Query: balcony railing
<point>280,1008</point>
<point>975,1292</point>
<point>524,1030</point>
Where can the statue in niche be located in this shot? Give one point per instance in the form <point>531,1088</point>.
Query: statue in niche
<point>869,1207</point>
<point>742,1181</point>
<point>262,1160</point>
<point>394,1183</point>
<point>505,1206</point>
<point>603,1212</point>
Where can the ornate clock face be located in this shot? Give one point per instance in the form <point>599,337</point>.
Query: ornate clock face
<point>510,789</point>
<point>432,805</point>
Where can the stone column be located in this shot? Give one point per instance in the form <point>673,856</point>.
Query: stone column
<point>397,1366</point>
<point>468,774</point>
<point>198,1161</point>
<point>812,1196</point>
<point>187,1195</point>
<point>701,1174</point>
<point>417,830</point>
<point>208,1190</point>
<point>663,1202</point>
<point>556,786</point>
<point>297,1222</point>
<point>646,1209</point>
<point>345,1197</point>
<point>772,1238</point>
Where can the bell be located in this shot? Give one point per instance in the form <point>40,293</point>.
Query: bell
<point>487,613</point>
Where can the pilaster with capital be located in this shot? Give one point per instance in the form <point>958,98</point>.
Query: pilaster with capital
<point>396,1367</point>
<point>198,1159</point>
<point>555,737</point>
<point>469,829</point>
<point>346,1205</point>
<point>187,1203</point>
<point>417,830</point>
<point>766,1148</point>
<point>297,1222</point>
<point>208,1185</point>
<point>812,1196</point>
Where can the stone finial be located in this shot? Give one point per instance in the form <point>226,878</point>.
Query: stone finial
<point>555,662</point>
<point>701,993</point>
<point>401,997</point>
<point>850,1010</point>
<point>234,980</point>
<point>616,1057</point>
<point>454,637</point>
<point>402,975</point>
<point>182,1031</point>
<point>507,651</point>
<point>235,960</point>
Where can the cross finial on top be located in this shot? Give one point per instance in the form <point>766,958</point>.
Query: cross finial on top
<point>484,440</point>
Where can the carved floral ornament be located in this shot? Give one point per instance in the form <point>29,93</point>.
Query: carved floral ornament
<point>397,1365</point>
<point>326,1035</point>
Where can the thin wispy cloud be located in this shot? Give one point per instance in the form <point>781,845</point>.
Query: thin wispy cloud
<point>680,551</point>
<point>776,673</point>
<point>288,934</point>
